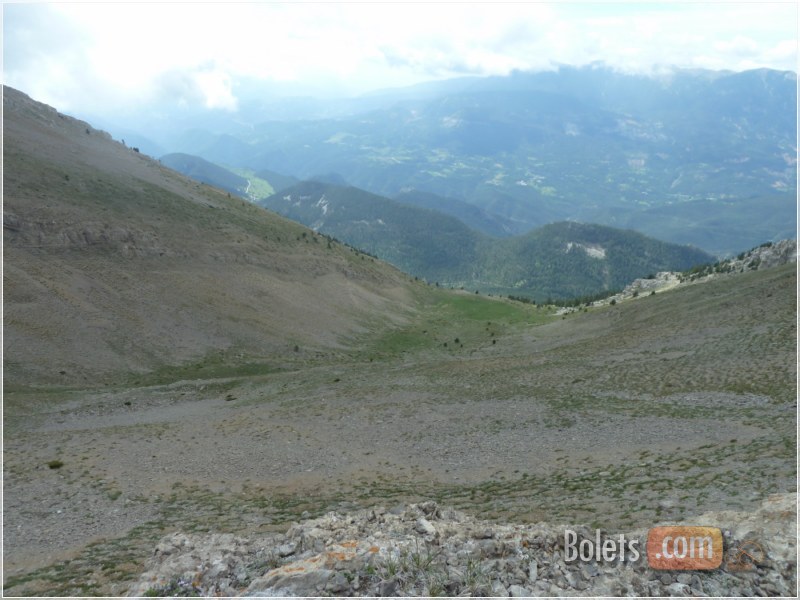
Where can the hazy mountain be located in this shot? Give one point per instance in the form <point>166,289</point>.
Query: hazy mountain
<point>330,178</point>
<point>421,241</point>
<point>567,260</point>
<point>471,215</point>
<point>561,260</point>
<point>278,181</point>
<point>588,144</point>
<point>242,182</point>
<point>201,170</point>
<point>117,265</point>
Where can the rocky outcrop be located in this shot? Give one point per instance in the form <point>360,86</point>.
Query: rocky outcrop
<point>54,236</point>
<point>766,256</point>
<point>425,549</point>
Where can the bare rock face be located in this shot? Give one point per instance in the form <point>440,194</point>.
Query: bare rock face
<point>379,553</point>
<point>774,255</point>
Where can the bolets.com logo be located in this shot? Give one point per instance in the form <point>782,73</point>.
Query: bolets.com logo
<point>684,548</point>
<point>669,548</point>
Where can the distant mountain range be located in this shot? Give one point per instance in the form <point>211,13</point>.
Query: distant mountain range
<point>207,172</point>
<point>689,156</point>
<point>560,260</point>
<point>458,244</point>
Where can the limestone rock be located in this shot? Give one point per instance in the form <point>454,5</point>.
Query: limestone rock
<point>424,549</point>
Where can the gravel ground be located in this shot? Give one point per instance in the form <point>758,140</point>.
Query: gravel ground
<point>621,417</point>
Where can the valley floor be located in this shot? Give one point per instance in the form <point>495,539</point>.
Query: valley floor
<point>625,416</point>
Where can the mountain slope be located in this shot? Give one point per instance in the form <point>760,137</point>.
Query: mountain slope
<point>562,260</point>
<point>115,265</point>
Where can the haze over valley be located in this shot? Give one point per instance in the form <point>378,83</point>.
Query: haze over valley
<point>692,157</point>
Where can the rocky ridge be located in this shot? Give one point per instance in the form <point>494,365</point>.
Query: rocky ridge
<point>426,549</point>
<point>765,256</point>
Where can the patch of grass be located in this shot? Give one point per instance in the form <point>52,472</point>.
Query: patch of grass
<point>259,188</point>
<point>459,307</point>
<point>420,571</point>
<point>444,316</point>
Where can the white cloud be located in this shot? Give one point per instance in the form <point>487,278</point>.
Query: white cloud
<point>97,56</point>
<point>216,89</point>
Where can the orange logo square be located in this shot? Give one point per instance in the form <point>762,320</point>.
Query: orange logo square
<point>684,548</point>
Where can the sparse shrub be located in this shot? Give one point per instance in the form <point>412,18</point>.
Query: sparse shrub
<point>296,348</point>
<point>176,587</point>
<point>55,464</point>
<point>613,301</point>
<point>476,579</point>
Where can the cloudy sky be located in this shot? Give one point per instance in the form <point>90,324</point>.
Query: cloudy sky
<point>102,57</point>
